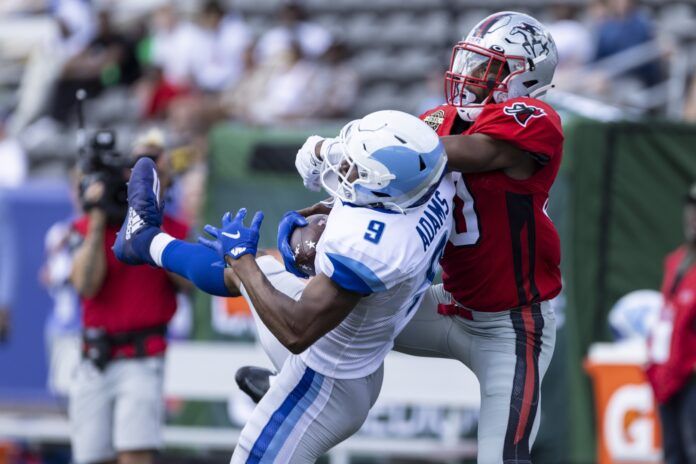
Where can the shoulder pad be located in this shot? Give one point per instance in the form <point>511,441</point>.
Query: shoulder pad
<point>440,119</point>
<point>527,123</point>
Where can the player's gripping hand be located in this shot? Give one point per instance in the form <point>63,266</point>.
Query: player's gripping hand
<point>308,164</point>
<point>290,221</point>
<point>234,239</point>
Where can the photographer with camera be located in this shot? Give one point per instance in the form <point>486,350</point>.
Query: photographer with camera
<point>116,403</point>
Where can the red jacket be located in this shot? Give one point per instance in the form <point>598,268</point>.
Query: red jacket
<point>672,343</point>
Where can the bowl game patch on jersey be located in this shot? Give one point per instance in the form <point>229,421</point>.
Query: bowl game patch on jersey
<point>435,120</point>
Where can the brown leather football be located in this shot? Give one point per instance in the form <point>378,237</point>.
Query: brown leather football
<point>303,242</point>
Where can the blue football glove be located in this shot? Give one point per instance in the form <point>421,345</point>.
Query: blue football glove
<point>234,239</point>
<point>290,221</point>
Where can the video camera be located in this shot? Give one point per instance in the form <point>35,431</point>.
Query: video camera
<point>101,162</point>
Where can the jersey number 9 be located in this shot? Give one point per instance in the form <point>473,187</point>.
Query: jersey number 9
<point>374,232</point>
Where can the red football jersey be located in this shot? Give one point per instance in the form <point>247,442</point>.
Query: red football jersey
<point>673,339</point>
<point>504,251</point>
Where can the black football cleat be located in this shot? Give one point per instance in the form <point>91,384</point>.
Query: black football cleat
<point>254,381</point>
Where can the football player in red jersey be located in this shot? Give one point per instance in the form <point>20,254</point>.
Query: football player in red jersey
<point>501,266</point>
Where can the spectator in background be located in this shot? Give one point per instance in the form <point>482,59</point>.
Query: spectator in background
<point>75,20</point>
<point>672,347</point>
<point>115,403</point>
<point>290,93</point>
<point>336,82</point>
<point>63,321</point>
<point>172,45</point>
<point>13,172</point>
<point>294,27</point>
<point>9,7</point>
<point>170,52</point>
<point>237,101</point>
<point>108,60</point>
<point>220,48</point>
<point>622,28</point>
<point>573,41</point>
<point>74,29</point>
<point>293,87</point>
<point>13,159</point>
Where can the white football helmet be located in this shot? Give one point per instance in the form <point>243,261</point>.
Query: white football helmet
<point>635,314</point>
<point>388,159</point>
<point>507,55</point>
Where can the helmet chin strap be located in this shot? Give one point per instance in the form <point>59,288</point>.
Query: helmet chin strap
<point>469,114</point>
<point>466,113</point>
<point>541,91</point>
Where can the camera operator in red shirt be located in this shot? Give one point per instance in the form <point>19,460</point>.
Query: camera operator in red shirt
<point>116,403</point>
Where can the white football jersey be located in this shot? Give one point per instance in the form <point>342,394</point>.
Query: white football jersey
<point>389,257</point>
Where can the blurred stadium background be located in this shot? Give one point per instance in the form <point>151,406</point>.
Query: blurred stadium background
<point>236,86</point>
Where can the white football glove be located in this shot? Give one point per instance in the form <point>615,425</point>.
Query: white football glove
<point>308,165</point>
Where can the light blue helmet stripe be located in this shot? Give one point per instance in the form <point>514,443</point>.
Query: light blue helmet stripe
<point>405,164</point>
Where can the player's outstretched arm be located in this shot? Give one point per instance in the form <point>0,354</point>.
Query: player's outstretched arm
<point>481,153</point>
<point>296,324</point>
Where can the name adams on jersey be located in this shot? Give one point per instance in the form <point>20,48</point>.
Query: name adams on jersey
<point>434,217</point>
<point>504,251</point>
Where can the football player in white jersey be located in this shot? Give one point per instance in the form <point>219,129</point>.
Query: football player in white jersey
<point>375,260</point>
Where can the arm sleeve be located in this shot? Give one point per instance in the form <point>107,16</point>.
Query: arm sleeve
<point>197,263</point>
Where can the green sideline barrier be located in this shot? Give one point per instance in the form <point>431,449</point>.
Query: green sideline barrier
<point>628,181</point>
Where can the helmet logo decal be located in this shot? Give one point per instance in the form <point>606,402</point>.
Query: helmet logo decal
<point>531,38</point>
<point>493,23</point>
<point>435,119</point>
<point>523,112</point>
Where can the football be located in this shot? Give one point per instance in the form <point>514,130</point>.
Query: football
<point>303,242</point>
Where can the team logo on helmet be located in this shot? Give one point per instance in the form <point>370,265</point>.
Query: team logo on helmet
<point>494,22</point>
<point>435,119</point>
<point>531,37</point>
<point>523,112</point>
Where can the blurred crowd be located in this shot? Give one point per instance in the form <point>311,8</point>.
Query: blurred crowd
<point>185,66</point>
<point>180,72</point>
